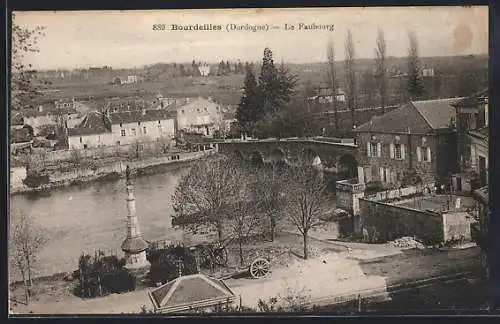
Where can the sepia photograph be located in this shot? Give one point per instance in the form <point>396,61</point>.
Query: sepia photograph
<point>329,160</point>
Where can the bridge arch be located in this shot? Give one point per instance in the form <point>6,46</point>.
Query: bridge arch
<point>347,166</point>
<point>311,157</point>
<point>256,157</point>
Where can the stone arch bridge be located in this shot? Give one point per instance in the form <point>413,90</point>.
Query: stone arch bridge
<point>335,155</point>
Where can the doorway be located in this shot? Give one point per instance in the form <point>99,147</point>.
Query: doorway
<point>482,171</point>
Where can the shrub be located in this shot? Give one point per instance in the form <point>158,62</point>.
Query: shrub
<point>164,266</point>
<point>101,275</point>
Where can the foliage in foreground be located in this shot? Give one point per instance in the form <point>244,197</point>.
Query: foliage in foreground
<point>101,275</point>
<point>165,266</point>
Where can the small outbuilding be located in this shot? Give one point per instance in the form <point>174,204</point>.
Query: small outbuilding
<point>191,294</point>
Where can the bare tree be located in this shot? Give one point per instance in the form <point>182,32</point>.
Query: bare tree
<point>206,193</point>
<point>244,221</point>
<point>270,194</point>
<point>350,75</point>
<point>24,41</point>
<point>306,199</point>
<point>380,68</point>
<point>331,79</point>
<point>25,241</point>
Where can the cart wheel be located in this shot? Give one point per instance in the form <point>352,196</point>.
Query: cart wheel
<point>259,268</point>
<point>205,257</point>
<point>221,257</point>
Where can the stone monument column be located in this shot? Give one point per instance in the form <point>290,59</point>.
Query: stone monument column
<point>134,245</point>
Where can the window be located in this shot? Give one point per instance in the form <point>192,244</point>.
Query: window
<point>198,109</point>
<point>427,155</point>
<point>206,109</point>
<point>397,152</point>
<point>374,149</point>
<point>117,142</point>
<point>159,129</point>
<point>84,146</point>
<point>121,125</point>
<point>99,138</point>
<point>123,132</point>
<point>182,111</point>
<point>144,130</point>
<point>80,139</point>
<point>134,133</point>
<point>159,122</point>
<point>139,123</point>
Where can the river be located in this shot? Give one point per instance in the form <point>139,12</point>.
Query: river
<point>93,216</point>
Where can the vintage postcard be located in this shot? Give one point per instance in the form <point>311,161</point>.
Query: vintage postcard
<point>249,160</point>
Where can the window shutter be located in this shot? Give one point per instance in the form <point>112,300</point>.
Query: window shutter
<point>428,154</point>
<point>368,174</point>
<point>368,153</point>
<point>419,154</point>
<point>379,149</point>
<point>381,174</point>
<point>403,151</point>
<point>391,149</point>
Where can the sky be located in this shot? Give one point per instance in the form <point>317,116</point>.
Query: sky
<point>126,39</point>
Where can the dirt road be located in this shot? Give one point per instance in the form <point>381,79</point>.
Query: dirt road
<point>328,275</point>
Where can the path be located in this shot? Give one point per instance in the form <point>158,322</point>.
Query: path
<point>331,275</point>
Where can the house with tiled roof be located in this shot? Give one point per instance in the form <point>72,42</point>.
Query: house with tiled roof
<point>121,128</point>
<point>191,294</point>
<point>414,143</point>
<point>48,114</point>
<point>472,142</point>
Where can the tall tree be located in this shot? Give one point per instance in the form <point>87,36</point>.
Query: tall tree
<point>25,242</point>
<point>381,68</point>
<point>270,194</point>
<point>350,75</point>
<point>205,195</point>
<point>249,110</point>
<point>306,199</point>
<point>330,52</point>
<point>287,84</point>
<point>269,83</point>
<point>24,41</point>
<point>415,86</point>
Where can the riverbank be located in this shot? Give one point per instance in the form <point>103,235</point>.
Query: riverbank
<point>111,171</point>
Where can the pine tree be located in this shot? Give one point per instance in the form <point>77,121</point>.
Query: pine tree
<point>269,83</point>
<point>415,82</point>
<point>249,110</point>
<point>350,75</point>
<point>380,69</point>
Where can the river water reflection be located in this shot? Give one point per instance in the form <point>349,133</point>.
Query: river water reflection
<point>91,217</point>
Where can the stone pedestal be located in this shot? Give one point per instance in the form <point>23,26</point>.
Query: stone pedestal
<point>134,245</point>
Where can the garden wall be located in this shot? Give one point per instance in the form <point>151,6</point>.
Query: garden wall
<point>386,222</point>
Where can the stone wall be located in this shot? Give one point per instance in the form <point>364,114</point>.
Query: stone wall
<point>85,174</point>
<point>386,222</point>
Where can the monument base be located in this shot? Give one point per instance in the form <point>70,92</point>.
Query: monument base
<point>137,264</point>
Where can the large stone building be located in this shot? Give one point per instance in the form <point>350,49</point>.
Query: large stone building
<point>411,144</point>
<point>199,115</point>
<point>472,142</point>
<point>121,128</point>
